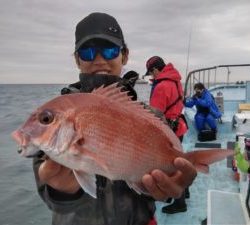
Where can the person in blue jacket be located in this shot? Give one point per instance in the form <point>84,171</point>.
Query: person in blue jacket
<point>207,110</point>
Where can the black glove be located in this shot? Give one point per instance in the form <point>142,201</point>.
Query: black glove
<point>131,77</point>
<point>72,88</point>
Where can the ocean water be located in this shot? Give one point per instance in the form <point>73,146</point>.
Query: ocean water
<point>19,200</point>
<point>20,203</point>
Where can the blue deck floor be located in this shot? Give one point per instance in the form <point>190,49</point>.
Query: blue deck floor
<point>219,178</point>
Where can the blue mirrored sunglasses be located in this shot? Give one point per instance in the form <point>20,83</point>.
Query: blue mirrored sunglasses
<point>108,53</point>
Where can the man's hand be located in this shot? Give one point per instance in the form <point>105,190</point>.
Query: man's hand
<point>161,186</point>
<point>58,177</point>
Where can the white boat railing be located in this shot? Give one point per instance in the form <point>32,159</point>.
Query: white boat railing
<point>221,75</point>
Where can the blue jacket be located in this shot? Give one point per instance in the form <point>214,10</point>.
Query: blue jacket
<point>205,102</point>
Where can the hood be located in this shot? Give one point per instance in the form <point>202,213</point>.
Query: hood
<point>169,72</point>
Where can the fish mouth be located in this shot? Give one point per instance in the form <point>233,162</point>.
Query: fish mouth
<point>25,147</point>
<point>30,151</point>
<point>39,154</point>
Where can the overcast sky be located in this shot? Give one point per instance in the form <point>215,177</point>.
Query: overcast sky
<point>37,36</point>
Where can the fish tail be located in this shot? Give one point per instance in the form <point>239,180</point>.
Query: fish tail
<point>201,159</point>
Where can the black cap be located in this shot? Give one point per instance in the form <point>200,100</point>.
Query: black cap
<point>98,25</point>
<point>154,61</point>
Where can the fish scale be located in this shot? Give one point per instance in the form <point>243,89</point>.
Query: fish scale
<point>123,143</point>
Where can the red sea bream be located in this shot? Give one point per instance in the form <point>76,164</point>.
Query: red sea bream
<point>106,133</point>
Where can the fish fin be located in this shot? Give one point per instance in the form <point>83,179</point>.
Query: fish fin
<point>113,92</point>
<point>87,182</point>
<point>77,146</point>
<point>89,157</point>
<point>104,89</point>
<point>138,188</point>
<point>202,158</point>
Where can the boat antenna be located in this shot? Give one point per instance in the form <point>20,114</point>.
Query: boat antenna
<point>188,52</point>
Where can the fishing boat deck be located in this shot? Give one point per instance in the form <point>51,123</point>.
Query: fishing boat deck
<point>220,177</point>
<point>203,203</point>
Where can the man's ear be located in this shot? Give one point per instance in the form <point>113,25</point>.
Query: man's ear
<point>77,60</point>
<point>125,54</point>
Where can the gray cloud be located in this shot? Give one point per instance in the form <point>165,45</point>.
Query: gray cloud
<point>37,37</point>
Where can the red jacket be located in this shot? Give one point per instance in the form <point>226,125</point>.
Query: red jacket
<point>165,92</point>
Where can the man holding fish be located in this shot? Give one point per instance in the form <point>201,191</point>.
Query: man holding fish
<point>98,167</point>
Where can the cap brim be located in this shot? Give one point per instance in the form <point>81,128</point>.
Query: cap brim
<point>147,73</point>
<point>112,39</point>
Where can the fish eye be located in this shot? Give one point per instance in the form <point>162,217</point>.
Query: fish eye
<point>46,117</point>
